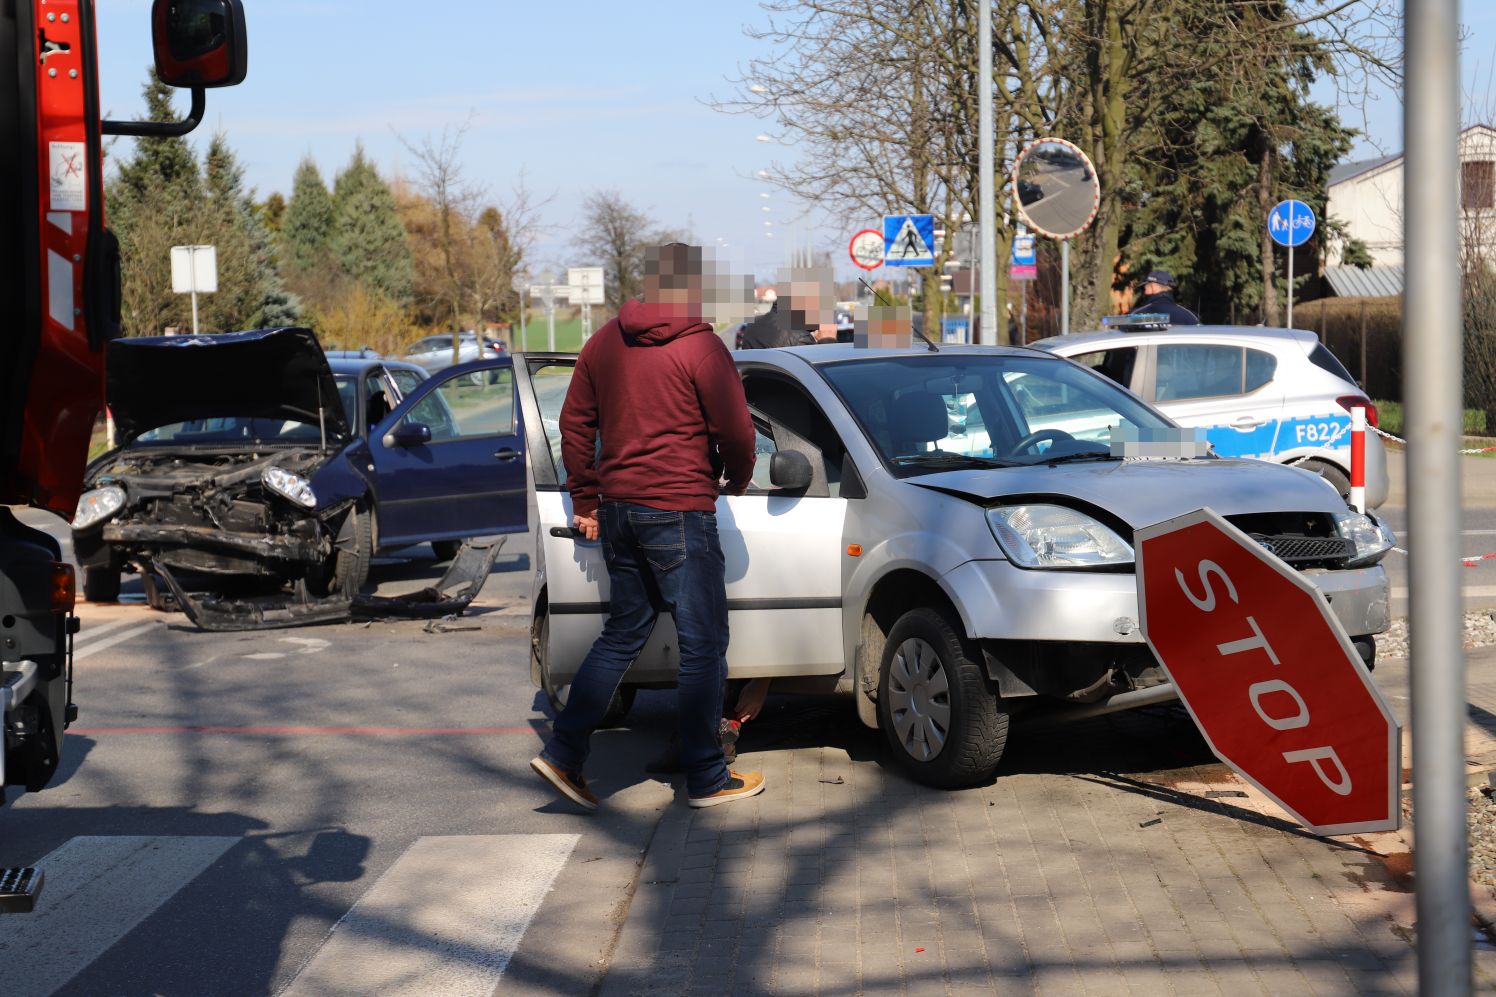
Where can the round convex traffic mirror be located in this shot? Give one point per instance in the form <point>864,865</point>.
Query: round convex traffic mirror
<point>1055,188</point>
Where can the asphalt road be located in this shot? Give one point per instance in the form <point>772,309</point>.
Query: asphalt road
<point>348,808</point>
<point>1477,532</point>
<point>269,780</point>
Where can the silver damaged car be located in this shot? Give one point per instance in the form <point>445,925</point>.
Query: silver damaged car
<point>946,537</point>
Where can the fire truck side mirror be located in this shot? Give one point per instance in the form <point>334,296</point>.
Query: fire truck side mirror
<point>200,43</point>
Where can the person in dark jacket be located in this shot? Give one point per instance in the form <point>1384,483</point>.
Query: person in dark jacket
<point>803,313</point>
<point>1158,299</point>
<point>661,392</point>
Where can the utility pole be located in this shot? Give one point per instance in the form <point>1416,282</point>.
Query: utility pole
<point>1432,330</point>
<point>987,223</point>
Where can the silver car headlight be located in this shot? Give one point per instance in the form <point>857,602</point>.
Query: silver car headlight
<point>290,486</point>
<point>98,505</point>
<point>1371,537</point>
<point>1053,536</point>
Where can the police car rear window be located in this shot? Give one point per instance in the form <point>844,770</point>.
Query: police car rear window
<point>1325,360</point>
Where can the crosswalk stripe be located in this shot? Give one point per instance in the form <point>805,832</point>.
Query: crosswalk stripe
<point>97,889</point>
<point>443,921</point>
<point>94,647</point>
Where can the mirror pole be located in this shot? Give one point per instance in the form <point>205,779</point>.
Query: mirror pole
<point>161,129</point>
<point>1065,287</point>
<point>987,222</point>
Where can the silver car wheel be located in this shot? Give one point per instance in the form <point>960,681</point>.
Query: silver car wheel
<point>919,699</point>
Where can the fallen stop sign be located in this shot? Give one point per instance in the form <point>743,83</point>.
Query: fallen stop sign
<point>1268,674</point>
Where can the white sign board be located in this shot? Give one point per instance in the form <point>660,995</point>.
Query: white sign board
<point>194,269</point>
<point>584,285</point>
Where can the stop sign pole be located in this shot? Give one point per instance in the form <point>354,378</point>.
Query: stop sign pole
<point>1269,675</point>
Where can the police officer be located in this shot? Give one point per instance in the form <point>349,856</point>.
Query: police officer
<point>1158,299</point>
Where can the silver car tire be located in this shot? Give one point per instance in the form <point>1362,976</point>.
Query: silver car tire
<point>944,723</point>
<point>555,695</point>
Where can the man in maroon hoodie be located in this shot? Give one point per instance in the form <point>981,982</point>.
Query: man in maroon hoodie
<point>660,391</point>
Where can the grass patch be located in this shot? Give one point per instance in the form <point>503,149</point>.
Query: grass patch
<point>568,332</point>
<point>1392,419</point>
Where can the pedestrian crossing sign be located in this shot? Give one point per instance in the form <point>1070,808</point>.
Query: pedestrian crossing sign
<point>909,240</point>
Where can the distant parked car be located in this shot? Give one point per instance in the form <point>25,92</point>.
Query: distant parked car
<point>434,353</point>
<point>1273,394</point>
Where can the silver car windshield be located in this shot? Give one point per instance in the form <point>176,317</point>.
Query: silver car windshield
<point>933,412</point>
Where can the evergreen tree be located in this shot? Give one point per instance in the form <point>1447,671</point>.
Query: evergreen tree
<point>1230,145</point>
<point>160,162</point>
<point>247,276</point>
<point>368,238</point>
<point>152,202</point>
<point>307,227</point>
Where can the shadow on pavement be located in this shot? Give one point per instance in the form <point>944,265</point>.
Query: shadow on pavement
<point>238,913</point>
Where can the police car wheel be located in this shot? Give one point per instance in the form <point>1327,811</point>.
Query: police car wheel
<point>1334,475</point>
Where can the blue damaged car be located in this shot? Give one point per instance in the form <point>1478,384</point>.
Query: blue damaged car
<point>239,461</point>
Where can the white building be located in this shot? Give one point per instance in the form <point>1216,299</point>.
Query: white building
<point>1367,198</point>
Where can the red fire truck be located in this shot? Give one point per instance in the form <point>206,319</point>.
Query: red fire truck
<point>59,307</point>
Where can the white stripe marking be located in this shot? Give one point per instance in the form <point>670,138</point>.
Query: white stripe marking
<point>108,642</point>
<point>96,891</point>
<point>92,631</point>
<point>443,921</point>
<point>1469,592</point>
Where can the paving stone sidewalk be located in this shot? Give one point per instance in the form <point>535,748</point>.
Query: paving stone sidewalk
<point>845,878</point>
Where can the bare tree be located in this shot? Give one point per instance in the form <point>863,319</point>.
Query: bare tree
<point>455,202</point>
<point>615,234</point>
<point>879,97</point>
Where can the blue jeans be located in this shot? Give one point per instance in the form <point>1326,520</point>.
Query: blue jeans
<point>658,560</point>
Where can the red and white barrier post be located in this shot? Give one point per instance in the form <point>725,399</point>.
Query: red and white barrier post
<point>1358,458</point>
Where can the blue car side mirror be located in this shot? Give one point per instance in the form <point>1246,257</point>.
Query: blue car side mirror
<point>408,434</point>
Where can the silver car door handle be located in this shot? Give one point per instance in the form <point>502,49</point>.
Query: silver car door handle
<point>1247,422</point>
<point>508,453</point>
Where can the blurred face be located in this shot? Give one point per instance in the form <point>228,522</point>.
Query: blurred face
<point>1151,288</point>
<point>886,327</point>
<point>672,280</point>
<point>807,291</point>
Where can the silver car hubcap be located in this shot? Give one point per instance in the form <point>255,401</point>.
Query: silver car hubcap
<point>919,696</point>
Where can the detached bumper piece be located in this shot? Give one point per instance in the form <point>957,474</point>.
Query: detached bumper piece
<point>460,585</point>
<point>19,888</point>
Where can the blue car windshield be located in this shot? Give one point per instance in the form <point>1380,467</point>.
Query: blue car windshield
<point>926,411</point>
<point>231,429</point>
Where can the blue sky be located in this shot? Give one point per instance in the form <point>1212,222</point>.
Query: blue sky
<point>580,95</point>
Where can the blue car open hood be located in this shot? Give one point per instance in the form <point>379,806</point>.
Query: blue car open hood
<point>269,373</point>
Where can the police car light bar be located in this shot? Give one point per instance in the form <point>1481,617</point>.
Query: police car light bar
<point>1145,322</point>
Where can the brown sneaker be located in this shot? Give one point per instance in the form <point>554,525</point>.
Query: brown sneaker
<point>739,786</point>
<point>569,784</point>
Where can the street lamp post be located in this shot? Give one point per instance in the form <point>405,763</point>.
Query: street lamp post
<point>987,223</point>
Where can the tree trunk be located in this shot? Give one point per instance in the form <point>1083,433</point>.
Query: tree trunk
<point>1265,205</point>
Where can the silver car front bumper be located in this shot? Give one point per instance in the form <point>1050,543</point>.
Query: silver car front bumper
<point>999,601</point>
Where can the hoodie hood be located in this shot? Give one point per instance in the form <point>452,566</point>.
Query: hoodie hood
<point>269,373</point>
<point>1144,492</point>
<point>649,324</point>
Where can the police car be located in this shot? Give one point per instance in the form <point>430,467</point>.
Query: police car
<point>1272,394</point>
